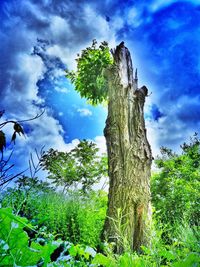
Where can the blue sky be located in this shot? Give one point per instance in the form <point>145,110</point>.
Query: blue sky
<point>39,39</point>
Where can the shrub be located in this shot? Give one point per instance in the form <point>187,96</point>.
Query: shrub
<point>17,248</point>
<point>72,217</point>
<point>176,187</point>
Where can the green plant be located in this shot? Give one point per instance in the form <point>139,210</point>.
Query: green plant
<point>15,249</point>
<point>120,227</point>
<point>18,249</point>
<point>80,168</point>
<point>176,187</point>
<point>26,191</point>
<point>91,218</point>
<point>89,79</point>
<point>183,251</point>
<point>72,217</point>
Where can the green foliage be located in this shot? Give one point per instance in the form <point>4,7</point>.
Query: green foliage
<point>16,248</point>
<point>175,189</point>
<point>72,217</point>
<point>81,166</point>
<point>89,80</point>
<point>184,251</point>
<point>14,243</point>
<point>79,218</point>
<point>26,191</point>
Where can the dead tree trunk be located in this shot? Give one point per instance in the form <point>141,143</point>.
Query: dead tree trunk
<point>129,157</point>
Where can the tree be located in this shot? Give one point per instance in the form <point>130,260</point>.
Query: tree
<point>176,187</point>
<point>81,166</point>
<point>102,77</point>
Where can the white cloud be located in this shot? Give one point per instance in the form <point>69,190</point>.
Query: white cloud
<point>159,4</point>
<point>100,141</point>
<point>98,24</point>
<point>60,114</point>
<point>59,27</point>
<point>61,90</point>
<point>116,24</point>
<point>67,54</point>
<point>134,17</point>
<point>74,35</point>
<point>84,112</point>
<point>23,79</point>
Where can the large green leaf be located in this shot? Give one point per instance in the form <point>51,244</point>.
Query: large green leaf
<point>14,248</point>
<point>14,242</point>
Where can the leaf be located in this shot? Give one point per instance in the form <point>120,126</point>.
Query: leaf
<point>7,212</point>
<point>45,251</point>
<point>103,260</point>
<point>73,251</point>
<point>14,248</point>
<point>89,79</point>
<point>18,128</point>
<point>13,137</point>
<point>2,141</point>
<point>192,260</point>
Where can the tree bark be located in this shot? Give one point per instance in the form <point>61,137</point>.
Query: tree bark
<point>129,157</point>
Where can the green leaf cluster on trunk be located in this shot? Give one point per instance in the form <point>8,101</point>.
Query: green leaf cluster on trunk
<point>89,79</point>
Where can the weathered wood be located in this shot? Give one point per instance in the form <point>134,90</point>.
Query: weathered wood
<point>129,156</point>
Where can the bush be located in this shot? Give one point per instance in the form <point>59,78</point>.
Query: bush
<point>72,217</point>
<point>17,248</point>
<point>183,252</point>
<point>176,187</point>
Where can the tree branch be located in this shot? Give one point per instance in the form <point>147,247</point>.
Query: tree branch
<point>11,121</point>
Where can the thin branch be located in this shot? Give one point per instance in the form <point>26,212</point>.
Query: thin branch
<point>36,117</point>
<point>8,159</point>
<point>32,161</point>
<point>35,167</point>
<point>4,171</point>
<point>11,121</point>
<point>30,168</point>
<point>36,152</point>
<point>13,177</point>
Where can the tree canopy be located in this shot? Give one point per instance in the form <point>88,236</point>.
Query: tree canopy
<point>89,80</point>
<point>81,166</point>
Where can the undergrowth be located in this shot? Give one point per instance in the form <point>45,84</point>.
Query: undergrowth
<point>18,248</point>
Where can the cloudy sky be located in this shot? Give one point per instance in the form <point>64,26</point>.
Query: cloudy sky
<point>39,39</point>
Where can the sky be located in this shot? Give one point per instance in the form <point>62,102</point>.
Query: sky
<point>39,40</point>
